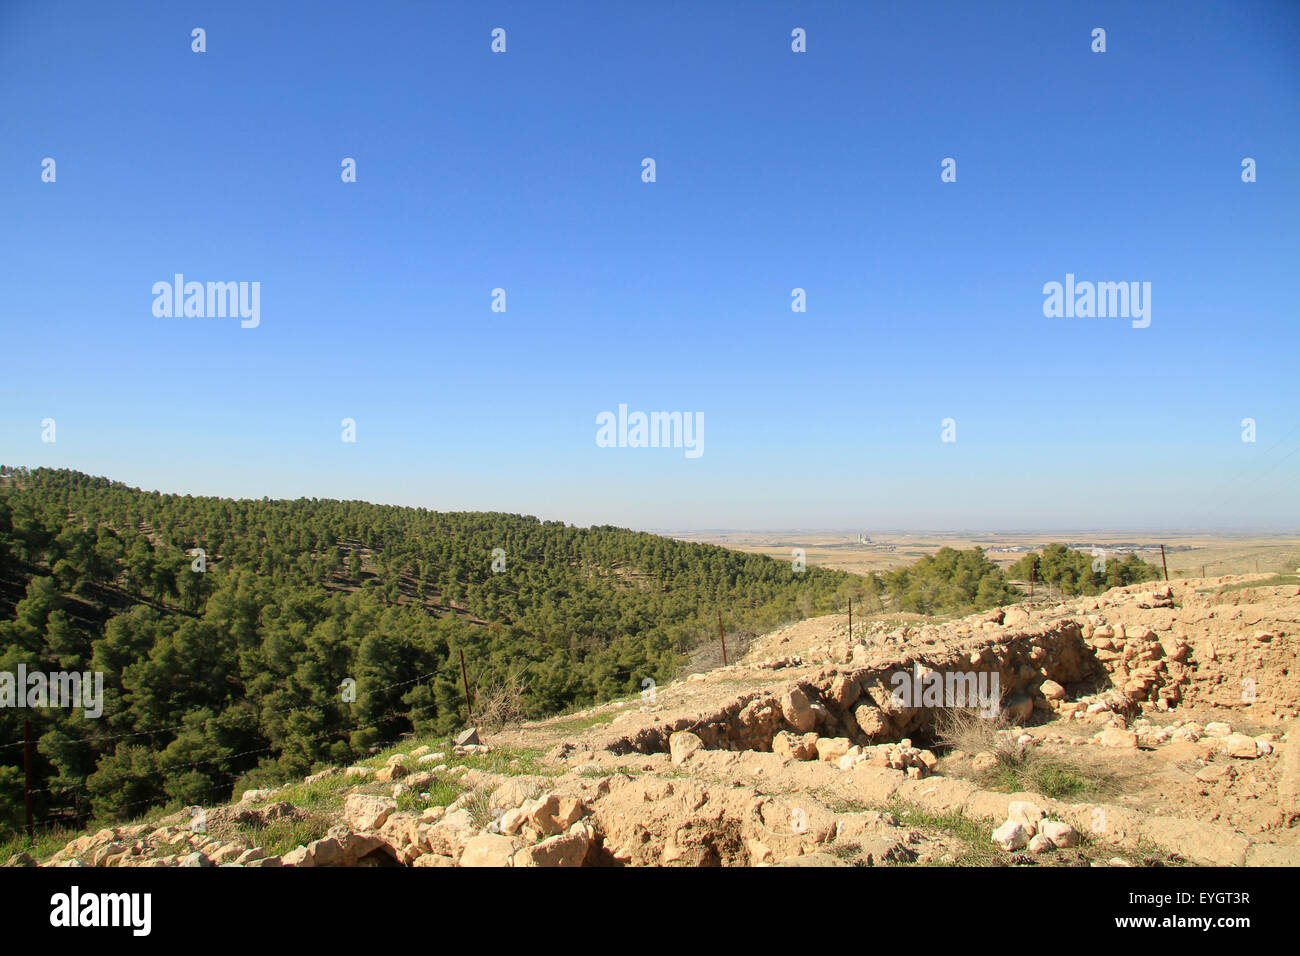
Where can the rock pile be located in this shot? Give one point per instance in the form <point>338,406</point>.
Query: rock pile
<point>1026,827</point>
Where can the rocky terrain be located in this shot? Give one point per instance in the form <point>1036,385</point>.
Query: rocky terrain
<point>1148,726</point>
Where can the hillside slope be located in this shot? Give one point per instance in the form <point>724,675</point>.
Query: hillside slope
<point>248,642</point>
<point>1160,725</point>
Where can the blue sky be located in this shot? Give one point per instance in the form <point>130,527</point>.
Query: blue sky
<point>775,170</point>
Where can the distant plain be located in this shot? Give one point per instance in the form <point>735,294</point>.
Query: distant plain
<point>1188,553</point>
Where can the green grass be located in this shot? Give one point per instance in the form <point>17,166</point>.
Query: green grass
<point>442,792</point>
<point>975,836</point>
<point>502,760</point>
<point>280,836</point>
<point>591,720</point>
<point>508,761</point>
<point>1033,773</point>
<point>323,795</point>
<point>42,844</point>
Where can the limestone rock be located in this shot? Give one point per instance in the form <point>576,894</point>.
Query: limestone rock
<point>1011,836</point>
<point>797,710</point>
<point>364,811</point>
<point>1119,738</point>
<point>794,746</point>
<point>682,745</point>
<point>1027,814</point>
<point>831,749</point>
<point>1040,844</point>
<point>489,849</point>
<point>1061,834</point>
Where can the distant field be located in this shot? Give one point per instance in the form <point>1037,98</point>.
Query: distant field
<point>1186,552</point>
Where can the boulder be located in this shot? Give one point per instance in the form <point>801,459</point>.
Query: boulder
<point>797,710</point>
<point>1011,836</point>
<point>831,749</point>
<point>1061,834</point>
<point>1052,690</point>
<point>553,814</point>
<point>1027,814</point>
<point>1119,738</point>
<point>1040,844</point>
<point>565,849</point>
<point>325,852</point>
<point>1239,745</point>
<point>844,691</point>
<point>795,746</point>
<point>682,745</point>
<point>489,849</point>
<point>365,811</point>
<point>872,721</point>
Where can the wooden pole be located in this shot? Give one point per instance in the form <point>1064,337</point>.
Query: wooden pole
<point>27,773</point>
<point>469,701</point>
<point>1162,561</point>
<point>850,622</point>
<point>723,638</point>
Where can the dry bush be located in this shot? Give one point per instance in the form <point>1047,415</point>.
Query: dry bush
<point>966,729</point>
<point>501,704</point>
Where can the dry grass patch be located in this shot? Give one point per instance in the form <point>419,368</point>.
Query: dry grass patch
<point>966,734</point>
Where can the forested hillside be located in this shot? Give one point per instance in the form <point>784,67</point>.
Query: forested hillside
<point>232,664</point>
<point>949,581</point>
<point>1078,572</point>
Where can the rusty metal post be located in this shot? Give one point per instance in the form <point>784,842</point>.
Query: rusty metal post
<point>469,701</point>
<point>723,638</point>
<point>27,773</point>
<point>1163,563</point>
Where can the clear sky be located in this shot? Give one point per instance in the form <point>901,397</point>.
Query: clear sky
<point>775,170</point>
